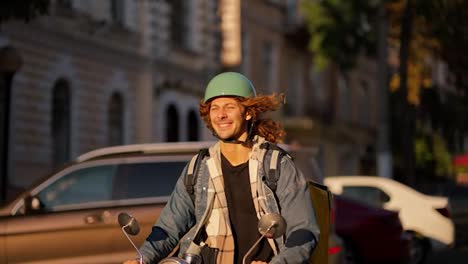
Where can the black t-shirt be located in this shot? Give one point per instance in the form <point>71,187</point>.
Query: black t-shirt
<point>244,222</point>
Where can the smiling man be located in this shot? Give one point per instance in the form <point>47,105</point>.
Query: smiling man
<point>231,195</point>
<point>228,121</point>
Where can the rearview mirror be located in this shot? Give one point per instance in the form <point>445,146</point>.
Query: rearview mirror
<point>129,224</point>
<point>32,204</point>
<point>272,225</point>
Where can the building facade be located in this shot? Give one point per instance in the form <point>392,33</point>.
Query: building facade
<point>335,113</point>
<point>103,73</point>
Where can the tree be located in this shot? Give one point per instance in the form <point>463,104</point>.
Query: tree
<point>340,30</point>
<point>449,25</point>
<point>418,30</point>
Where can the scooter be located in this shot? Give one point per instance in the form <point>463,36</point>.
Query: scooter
<point>270,226</point>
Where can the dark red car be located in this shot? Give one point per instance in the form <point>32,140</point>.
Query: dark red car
<point>370,235</point>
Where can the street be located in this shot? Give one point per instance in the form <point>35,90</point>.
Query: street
<point>453,256</point>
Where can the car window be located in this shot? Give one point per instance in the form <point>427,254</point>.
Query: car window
<point>368,195</point>
<point>81,186</point>
<point>105,183</point>
<point>142,180</point>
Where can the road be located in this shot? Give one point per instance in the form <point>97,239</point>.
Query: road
<point>453,256</point>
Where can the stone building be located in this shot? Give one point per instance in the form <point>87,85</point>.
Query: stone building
<point>102,73</point>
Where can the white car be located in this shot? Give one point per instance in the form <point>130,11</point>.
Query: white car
<point>426,218</point>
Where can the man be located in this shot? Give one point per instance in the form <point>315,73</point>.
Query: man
<point>230,195</point>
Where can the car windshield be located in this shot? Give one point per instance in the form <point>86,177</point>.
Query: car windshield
<point>368,195</point>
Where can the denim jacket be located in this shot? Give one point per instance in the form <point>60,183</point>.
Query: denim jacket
<point>181,217</point>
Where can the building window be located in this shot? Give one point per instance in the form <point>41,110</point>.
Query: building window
<point>64,8</point>
<point>117,10</point>
<point>192,126</point>
<point>344,98</point>
<point>348,161</point>
<point>293,94</point>
<point>172,119</point>
<point>115,120</point>
<point>245,50</point>
<point>364,106</point>
<point>64,4</point>
<point>179,25</point>
<point>318,88</point>
<point>61,115</point>
<point>267,62</point>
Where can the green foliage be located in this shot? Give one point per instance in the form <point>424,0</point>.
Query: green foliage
<point>422,152</point>
<point>442,156</point>
<point>431,153</point>
<point>22,9</point>
<point>341,30</point>
<point>461,169</point>
<point>449,24</point>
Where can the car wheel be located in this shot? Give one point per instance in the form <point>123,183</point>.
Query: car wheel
<point>351,255</point>
<point>418,249</point>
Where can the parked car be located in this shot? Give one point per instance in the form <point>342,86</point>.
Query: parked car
<point>371,235</point>
<point>426,218</point>
<point>458,199</point>
<point>71,216</point>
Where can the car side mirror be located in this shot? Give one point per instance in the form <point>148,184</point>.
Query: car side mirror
<point>32,204</point>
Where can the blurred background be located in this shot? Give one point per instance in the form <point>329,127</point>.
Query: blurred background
<point>378,87</point>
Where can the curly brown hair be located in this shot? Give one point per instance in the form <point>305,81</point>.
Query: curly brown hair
<point>256,106</point>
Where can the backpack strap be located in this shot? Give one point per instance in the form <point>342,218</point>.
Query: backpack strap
<point>272,163</point>
<point>192,172</point>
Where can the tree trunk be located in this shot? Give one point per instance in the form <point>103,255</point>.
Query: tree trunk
<point>384,157</point>
<point>407,110</point>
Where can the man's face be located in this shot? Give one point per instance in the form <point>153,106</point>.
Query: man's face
<point>229,118</point>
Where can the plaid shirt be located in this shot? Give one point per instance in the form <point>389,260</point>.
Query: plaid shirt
<point>218,227</point>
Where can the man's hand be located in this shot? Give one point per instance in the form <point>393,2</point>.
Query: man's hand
<point>258,262</point>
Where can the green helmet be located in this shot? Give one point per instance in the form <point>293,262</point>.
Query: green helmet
<point>229,84</point>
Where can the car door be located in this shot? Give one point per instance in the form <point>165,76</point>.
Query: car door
<point>142,187</point>
<point>73,224</point>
